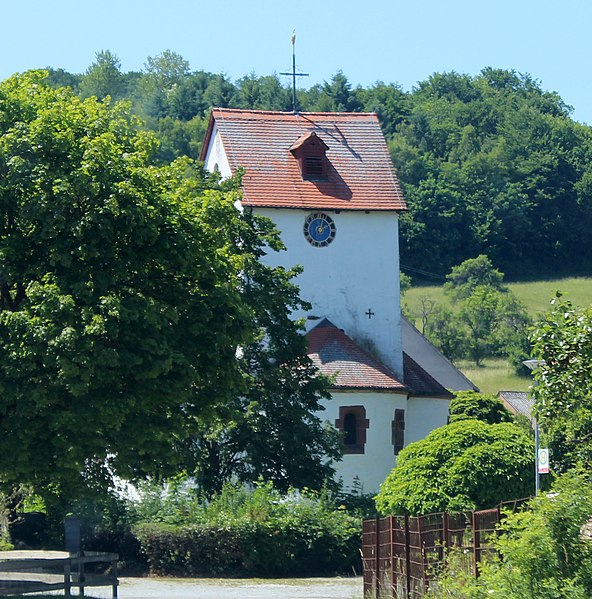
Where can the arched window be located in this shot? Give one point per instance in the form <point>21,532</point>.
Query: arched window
<point>352,423</point>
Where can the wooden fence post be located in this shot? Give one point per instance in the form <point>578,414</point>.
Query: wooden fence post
<point>407,556</point>
<point>114,573</point>
<point>67,580</point>
<point>476,544</point>
<point>392,552</point>
<point>377,558</point>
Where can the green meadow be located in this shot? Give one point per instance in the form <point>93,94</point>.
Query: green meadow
<point>496,375</point>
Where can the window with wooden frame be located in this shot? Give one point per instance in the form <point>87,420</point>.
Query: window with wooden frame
<point>352,423</point>
<point>398,427</point>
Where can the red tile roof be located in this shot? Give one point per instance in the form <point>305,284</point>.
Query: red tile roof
<point>421,382</point>
<point>360,175</point>
<point>336,355</point>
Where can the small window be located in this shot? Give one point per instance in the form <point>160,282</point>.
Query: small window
<point>350,429</point>
<point>399,431</point>
<point>352,423</point>
<point>313,167</point>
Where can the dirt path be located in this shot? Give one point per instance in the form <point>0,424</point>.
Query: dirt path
<point>181,588</point>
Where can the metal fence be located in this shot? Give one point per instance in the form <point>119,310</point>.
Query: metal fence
<point>401,554</point>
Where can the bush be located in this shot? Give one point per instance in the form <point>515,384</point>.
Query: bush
<point>487,408</point>
<point>250,533</point>
<point>461,466</point>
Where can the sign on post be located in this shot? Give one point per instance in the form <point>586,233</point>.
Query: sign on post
<point>543,461</point>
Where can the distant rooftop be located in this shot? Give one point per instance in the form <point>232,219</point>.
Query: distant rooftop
<point>518,402</point>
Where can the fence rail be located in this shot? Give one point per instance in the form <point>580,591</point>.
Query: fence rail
<point>24,572</point>
<point>400,554</point>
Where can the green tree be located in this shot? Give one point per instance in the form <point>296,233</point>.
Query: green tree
<point>103,78</point>
<point>271,430</point>
<point>471,405</point>
<point>335,96</point>
<point>563,339</point>
<point>463,279</point>
<point>467,464</point>
<point>446,331</point>
<point>123,294</point>
<point>489,321</point>
<point>164,73</point>
<point>220,92</point>
<point>61,78</point>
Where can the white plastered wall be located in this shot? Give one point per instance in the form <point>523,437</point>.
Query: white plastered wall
<point>378,459</point>
<point>356,273</point>
<point>424,414</point>
<point>216,158</point>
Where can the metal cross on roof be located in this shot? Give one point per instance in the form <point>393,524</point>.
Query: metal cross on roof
<point>294,74</point>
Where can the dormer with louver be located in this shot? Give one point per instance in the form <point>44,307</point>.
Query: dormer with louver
<point>310,152</point>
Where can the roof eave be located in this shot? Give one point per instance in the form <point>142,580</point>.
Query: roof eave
<point>207,138</point>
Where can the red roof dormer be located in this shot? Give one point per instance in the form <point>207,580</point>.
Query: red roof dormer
<point>310,151</point>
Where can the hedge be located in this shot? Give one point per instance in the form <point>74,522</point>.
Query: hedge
<point>260,549</point>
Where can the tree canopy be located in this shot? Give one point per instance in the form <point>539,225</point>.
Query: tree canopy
<point>468,405</point>
<point>490,163</point>
<point>486,321</point>
<point>467,464</point>
<point>562,341</point>
<point>127,290</point>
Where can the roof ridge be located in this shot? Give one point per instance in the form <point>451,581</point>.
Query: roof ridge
<point>290,113</point>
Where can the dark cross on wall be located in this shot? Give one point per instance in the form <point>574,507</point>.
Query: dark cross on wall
<point>294,74</point>
<point>369,314</point>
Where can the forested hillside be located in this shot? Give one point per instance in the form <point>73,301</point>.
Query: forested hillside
<point>490,164</point>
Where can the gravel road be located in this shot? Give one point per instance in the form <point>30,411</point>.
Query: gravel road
<point>182,588</point>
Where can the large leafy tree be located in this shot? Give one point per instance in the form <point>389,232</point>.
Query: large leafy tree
<point>124,293</point>
<point>271,430</point>
<point>562,340</point>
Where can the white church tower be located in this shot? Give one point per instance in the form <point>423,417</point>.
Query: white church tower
<point>327,181</point>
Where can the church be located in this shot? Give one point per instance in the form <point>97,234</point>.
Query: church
<point>328,183</point>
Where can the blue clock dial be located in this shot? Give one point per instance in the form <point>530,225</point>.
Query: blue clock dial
<point>319,229</point>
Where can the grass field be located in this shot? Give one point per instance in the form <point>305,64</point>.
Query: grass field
<point>497,375</point>
<point>494,376</point>
<point>535,295</point>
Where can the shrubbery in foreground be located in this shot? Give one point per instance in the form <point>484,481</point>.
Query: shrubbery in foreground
<point>250,533</point>
<point>546,551</point>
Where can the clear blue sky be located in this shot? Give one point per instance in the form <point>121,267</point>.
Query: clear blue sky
<point>392,41</point>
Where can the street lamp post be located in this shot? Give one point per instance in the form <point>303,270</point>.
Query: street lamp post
<point>532,365</point>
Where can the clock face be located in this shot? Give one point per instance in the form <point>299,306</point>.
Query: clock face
<point>319,229</point>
